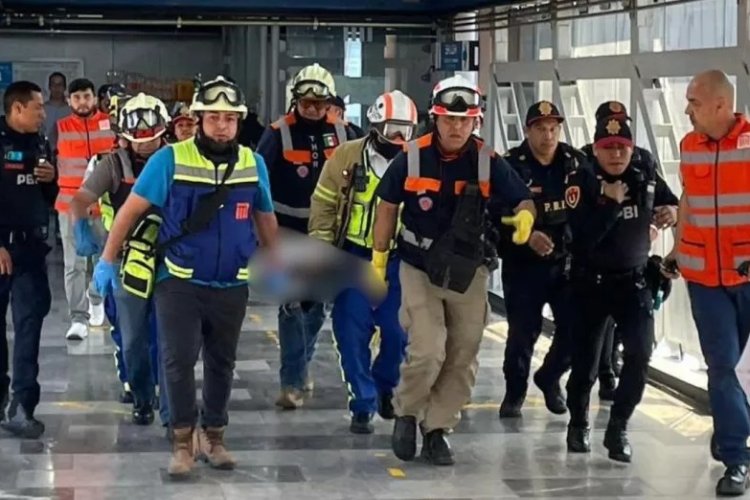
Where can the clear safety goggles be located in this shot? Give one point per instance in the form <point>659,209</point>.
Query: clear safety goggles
<point>460,99</point>
<point>212,92</point>
<point>143,123</point>
<point>311,89</point>
<point>395,131</point>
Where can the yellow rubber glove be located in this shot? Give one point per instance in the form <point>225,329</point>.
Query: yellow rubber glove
<point>377,282</point>
<point>523,221</point>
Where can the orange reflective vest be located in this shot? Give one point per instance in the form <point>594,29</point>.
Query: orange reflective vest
<point>716,228</point>
<point>78,140</point>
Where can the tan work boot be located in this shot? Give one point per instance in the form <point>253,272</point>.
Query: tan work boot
<point>183,452</point>
<point>212,450</point>
<point>290,399</point>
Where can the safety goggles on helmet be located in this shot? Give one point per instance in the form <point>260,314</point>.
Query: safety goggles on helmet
<point>458,99</point>
<point>142,125</point>
<point>397,131</point>
<point>311,89</point>
<point>213,92</point>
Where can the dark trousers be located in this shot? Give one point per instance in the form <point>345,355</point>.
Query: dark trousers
<point>629,303</point>
<point>607,359</point>
<point>27,291</point>
<point>192,317</point>
<point>722,315</point>
<point>299,326</point>
<point>526,288</point>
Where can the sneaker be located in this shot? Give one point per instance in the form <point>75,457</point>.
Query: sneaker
<point>143,415</point>
<point>361,424</point>
<point>77,331</point>
<point>96,314</point>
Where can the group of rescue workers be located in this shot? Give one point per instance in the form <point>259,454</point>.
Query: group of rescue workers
<point>181,219</point>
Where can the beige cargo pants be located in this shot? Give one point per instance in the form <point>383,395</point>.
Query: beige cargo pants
<point>444,331</point>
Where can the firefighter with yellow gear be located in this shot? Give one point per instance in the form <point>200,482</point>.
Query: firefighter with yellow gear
<point>342,212</point>
<point>142,123</point>
<point>444,181</point>
<point>295,147</point>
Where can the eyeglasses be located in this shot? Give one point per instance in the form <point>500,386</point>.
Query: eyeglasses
<point>311,87</point>
<point>312,103</point>
<point>213,91</point>
<point>460,99</point>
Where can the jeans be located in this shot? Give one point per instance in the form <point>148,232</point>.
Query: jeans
<point>299,325</point>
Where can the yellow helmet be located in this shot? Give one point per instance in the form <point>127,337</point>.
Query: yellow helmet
<point>142,118</point>
<point>219,94</point>
<point>313,82</point>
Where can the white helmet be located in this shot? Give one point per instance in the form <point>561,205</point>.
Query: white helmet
<point>219,95</point>
<point>314,82</point>
<point>457,96</point>
<point>393,114</point>
<point>142,118</point>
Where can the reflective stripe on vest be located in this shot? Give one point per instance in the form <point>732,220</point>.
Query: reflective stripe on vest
<point>300,156</point>
<point>417,184</point>
<point>716,227</point>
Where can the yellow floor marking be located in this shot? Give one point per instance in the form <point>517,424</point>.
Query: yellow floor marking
<point>396,472</point>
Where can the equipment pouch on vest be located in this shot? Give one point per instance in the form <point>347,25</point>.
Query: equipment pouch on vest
<point>453,259</point>
<point>139,260</point>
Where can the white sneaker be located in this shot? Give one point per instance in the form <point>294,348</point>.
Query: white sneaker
<point>96,314</point>
<point>77,331</point>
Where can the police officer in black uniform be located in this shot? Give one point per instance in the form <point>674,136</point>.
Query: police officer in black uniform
<point>610,361</point>
<point>27,191</point>
<point>612,206</point>
<point>537,273</point>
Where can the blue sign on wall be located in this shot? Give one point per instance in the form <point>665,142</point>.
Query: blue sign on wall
<point>6,74</point>
<point>450,56</point>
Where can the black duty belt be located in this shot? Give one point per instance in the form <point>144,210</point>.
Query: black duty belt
<point>24,235</point>
<point>599,276</point>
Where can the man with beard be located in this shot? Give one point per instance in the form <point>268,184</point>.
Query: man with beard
<point>216,206</point>
<point>342,212</point>
<point>295,148</point>
<point>81,136</point>
<point>142,124</point>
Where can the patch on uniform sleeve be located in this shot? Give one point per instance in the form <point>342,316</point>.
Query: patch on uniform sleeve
<point>329,140</point>
<point>743,141</point>
<point>104,125</point>
<point>573,196</point>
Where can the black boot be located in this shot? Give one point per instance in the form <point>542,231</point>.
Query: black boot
<point>385,407</point>
<point>404,439</point>
<point>511,405</point>
<point>734,483</point>
<point>578,439</point>
<point>143,415</point>
<point>361,424</point>
<point>22,424</point>
<point>616,441</point>
<point>436,449</point>
<point>553,396</point>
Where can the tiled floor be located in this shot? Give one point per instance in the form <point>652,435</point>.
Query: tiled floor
<point>92,452</point>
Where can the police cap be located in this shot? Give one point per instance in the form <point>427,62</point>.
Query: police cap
<point>541,110</point>
<point>611,109</point>
<point>613,130</point>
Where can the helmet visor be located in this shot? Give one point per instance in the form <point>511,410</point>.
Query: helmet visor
<point>143,124</point>
<point>211,93</point>
<point>458,99</point>
<point>311,89</point>
<point>397,131</point>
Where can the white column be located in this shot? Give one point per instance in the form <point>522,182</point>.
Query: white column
<point>275,84</point>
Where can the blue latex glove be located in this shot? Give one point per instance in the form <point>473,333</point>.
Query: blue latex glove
<point>106,277</point>
<point>86,243</point>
